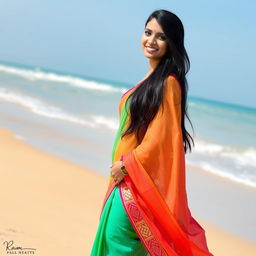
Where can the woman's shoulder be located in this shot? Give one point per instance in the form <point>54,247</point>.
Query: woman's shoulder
<point>173,88</point>
<point>173,82</point>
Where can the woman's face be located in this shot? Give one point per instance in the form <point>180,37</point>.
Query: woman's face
<point>154,42</point>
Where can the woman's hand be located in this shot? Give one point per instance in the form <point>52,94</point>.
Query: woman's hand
<point>116,172</point>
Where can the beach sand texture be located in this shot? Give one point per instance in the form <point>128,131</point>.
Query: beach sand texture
<point>53,206</point>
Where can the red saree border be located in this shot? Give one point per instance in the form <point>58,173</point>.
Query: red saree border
<point>132,88</point>
<point>109,191</point>
<point>138,222</point>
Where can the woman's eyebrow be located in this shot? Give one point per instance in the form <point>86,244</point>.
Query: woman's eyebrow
<point>157,33</point>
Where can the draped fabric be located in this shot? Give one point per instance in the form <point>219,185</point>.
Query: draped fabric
<point>154,191</point>
<point>115,234</point>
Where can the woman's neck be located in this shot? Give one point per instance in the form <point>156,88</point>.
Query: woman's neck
<point>152,65</point>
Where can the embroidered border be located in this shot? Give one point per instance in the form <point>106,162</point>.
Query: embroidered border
<point>139,224</point>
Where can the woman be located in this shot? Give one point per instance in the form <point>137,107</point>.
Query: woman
<point>145,210</point>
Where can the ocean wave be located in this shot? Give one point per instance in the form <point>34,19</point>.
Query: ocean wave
<point>242,156</point>
<point>192,104</point>
<point>37,74</point>
<point>232,162</point>
<point>222,172</point>
<point>44,109</point>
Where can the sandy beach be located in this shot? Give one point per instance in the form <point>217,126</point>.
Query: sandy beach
<point>52,206</point>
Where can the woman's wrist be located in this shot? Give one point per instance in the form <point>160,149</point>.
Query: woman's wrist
<point>123,170</point>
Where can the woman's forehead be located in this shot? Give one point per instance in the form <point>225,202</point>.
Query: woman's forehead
<point>154,26</point>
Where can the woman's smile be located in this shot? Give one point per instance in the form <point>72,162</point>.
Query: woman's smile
<point>151,49</point>
<point>153,40</point>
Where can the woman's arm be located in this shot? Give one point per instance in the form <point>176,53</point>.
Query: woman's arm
<point>163,133</point>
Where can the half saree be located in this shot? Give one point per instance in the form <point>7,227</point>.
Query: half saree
<point>152,198</point>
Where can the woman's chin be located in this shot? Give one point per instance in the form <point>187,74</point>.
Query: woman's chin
<point>150,56</point>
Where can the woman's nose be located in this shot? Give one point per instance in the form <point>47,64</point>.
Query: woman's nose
<point>151,40</point>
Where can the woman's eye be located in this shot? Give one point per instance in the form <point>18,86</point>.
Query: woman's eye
<point>147,32</point>
<point>162,38</point>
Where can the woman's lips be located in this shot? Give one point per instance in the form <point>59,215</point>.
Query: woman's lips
<point>151,49</point>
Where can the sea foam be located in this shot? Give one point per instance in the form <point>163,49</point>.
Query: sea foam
<point>37,74</point>
<point>44,109</point>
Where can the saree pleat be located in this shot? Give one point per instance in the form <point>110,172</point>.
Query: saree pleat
<point>115,234</point>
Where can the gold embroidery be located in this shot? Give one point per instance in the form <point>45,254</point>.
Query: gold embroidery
<point>144,230</point>
<point>141,226</point>
<point>127,195</point>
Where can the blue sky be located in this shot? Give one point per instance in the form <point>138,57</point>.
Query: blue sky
<point>102,39</point>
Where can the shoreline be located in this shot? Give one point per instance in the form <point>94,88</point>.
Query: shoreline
<point>46,198</point>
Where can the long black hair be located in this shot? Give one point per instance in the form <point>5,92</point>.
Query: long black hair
<point>147,97</point>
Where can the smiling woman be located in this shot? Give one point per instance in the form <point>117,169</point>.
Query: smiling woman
<point>145,210</point>
<point>154,42</point>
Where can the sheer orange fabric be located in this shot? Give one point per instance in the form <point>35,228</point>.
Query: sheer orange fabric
<point>156,178</point>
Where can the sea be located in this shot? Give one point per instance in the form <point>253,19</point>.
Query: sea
<point>76,117</point>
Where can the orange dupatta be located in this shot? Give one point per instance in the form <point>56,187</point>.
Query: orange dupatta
<point>154,191</point>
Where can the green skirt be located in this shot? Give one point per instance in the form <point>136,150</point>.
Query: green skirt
<point>115,234</point>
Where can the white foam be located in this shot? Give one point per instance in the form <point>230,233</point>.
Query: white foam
<point>192,104</point>
<point>205,147</point>
<point>223,173</point>
<point>37,74</point>
<point>111,123</point>
<point>235,163</point>
<point>44,109</point>
<point>19,137</point>
<point>242,156</point>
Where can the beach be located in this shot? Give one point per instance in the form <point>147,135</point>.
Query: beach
<point>63,115</point>
<point>53,206</point>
